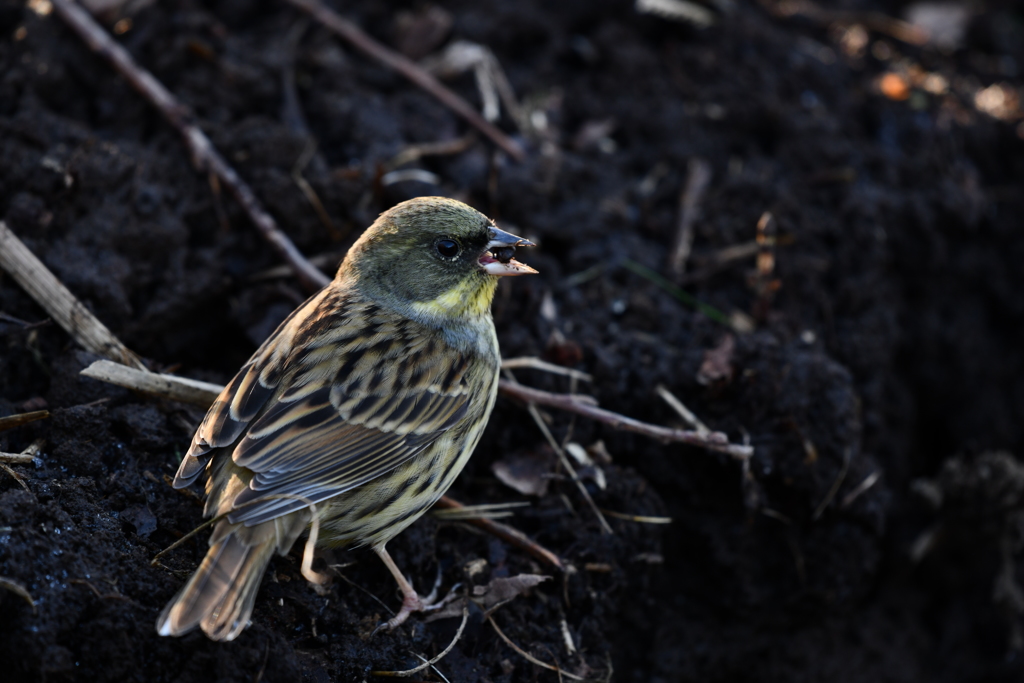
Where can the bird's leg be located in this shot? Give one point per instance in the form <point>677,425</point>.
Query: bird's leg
<point>321,581</point>
<point>411,600</point>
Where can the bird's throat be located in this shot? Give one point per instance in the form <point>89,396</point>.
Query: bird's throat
<point>469,299</point>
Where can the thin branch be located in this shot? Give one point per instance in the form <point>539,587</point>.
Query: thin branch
<point>408,68</point>
<point>683,411</point>
<point>428,663</point>
<point>204,156</point>
<point>564,459</point>
<point>847,456</point>
<point>17,458</point>
<point>12,421</point>
<point>181,389</point>
<point>713,441</point>
<point>44,287</point>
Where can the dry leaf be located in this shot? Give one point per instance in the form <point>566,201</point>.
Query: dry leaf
<point>528,472</point>
<point>717,365</point>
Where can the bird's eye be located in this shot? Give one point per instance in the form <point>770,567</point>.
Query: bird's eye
<point>447,248</point>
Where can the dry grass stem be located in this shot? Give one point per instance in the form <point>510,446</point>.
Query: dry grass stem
<point>19,590</point>
<point>204,156</point>
<point>527,656</point>
<point>44,287</point>
<point>538,364</point>
<point>641,519</point>
<point>405,66</point>
<point>14,475</point>
<point>535,414</point>
<point>683,411</point>
<point>847,456</point>
<point>489,511</point>
<point>180,389</point>
<point>861,488</point>
<point>698,178</point>
<point>432,662</point>
<point>713,441</point>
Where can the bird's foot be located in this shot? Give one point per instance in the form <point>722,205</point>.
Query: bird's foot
<point>414,602</point>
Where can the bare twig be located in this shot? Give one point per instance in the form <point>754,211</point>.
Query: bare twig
<point>181,389</point>
<point>432,662</point>
<point>683,411</point>
<point>17,458</point>
<point>714,441</point>
<point>43,286</point>
<point>405,66</point>
<point>698,177</point>
<point>204,156</point>
<point>12,421</point>
<point>535,414</point>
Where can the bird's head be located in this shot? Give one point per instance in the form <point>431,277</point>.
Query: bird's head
<point>435,256</point>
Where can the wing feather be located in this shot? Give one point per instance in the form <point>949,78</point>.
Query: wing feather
<point>364,393</point>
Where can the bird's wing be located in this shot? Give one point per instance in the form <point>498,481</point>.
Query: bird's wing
<point>362,395</point>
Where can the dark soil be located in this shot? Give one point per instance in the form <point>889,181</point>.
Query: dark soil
<point>894,342</point>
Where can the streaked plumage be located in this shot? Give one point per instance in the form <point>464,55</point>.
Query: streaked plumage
<point>367,400</point>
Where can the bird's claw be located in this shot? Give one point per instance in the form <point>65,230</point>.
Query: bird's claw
<point>415,603</point>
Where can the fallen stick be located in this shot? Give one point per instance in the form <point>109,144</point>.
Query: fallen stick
<point>713,441</point>
<point>408,68</point>
<point>43,286</point>
<point>12,421</point>
<point>204,156</point>
<point>180,389</point>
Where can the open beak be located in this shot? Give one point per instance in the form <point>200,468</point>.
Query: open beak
<point>497,260</point>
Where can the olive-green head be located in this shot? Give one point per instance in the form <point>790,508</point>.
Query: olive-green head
<point>434,255</point>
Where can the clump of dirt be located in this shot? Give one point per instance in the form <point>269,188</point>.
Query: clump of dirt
<point>888,352</point>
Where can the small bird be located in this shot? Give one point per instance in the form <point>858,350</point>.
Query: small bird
<point>367,401</point>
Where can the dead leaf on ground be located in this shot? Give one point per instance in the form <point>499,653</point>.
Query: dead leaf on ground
<point>491,596</point>
<point>526,472</point>
<point>717,365</point>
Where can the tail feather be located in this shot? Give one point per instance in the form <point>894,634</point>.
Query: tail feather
<point>220,595</point>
